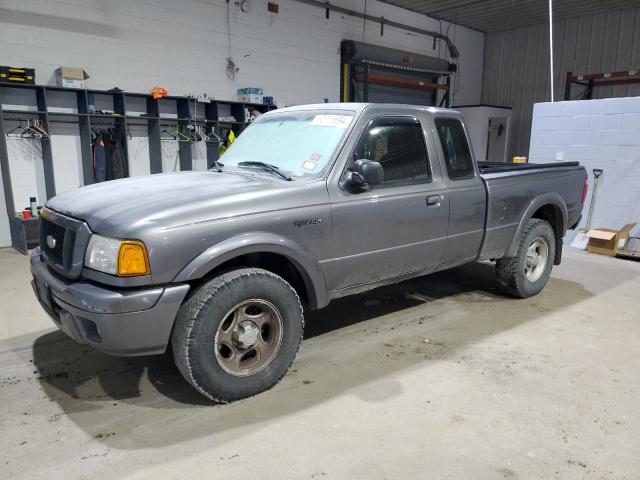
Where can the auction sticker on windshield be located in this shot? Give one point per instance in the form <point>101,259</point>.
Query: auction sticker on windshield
<point>336,121</point>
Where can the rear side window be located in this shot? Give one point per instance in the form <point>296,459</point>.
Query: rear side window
<point>398,144</point>
<point>455,147</point>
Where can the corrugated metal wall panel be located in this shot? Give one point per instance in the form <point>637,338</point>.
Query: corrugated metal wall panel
<point>516,66</point>
<point>498,15</point>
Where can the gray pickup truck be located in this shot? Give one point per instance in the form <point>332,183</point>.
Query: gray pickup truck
<point>309,204</point>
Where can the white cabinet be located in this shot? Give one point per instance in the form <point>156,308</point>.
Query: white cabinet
<point>488,127</point>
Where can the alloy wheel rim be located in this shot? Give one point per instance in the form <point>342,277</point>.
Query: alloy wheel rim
<point>536,259</point>
<point>248,338</point>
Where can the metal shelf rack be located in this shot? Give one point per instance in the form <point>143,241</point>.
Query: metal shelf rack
<point>592,80</point>
<point>42,104</point>
<point>358,76</point>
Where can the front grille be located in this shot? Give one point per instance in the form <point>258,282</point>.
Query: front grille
<point>68,238</point>
<point>48,231</point>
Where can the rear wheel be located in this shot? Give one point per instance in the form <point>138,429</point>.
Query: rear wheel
<point>238,334</point>
<point>528,272</point>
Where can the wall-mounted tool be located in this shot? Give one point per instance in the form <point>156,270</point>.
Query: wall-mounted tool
<point>597,172</point>
<point>581,240</point>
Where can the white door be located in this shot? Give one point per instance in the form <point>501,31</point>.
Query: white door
<point>497,141</point>
<point>5,233</point>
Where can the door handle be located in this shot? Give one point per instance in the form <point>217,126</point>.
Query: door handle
<point>434,200</point>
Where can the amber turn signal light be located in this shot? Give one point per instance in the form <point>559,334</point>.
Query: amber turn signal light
<point>132,259</point>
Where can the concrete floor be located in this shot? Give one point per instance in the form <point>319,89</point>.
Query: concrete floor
<point>438,377</point>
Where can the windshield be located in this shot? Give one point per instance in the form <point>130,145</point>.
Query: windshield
<point>300,143</point>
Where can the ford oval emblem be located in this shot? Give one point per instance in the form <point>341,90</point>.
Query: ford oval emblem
<point>51,242</point>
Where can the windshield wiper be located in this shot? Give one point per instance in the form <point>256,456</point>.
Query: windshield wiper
<point>217,166</point>
<point>269,168</point>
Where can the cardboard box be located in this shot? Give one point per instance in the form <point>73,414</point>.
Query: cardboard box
<point>71,77</point>
<point>607,241</point>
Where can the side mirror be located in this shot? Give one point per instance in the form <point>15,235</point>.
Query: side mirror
<point>365,173</point>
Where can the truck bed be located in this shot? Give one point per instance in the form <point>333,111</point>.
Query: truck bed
<point>511,190</point>
<point>499,167</point>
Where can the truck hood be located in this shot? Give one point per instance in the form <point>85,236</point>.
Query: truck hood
<point>117,207</point>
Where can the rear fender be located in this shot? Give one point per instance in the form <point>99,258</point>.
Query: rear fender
<point>560,209</point>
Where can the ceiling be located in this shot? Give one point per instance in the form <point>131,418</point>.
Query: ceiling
<point>496,15</point>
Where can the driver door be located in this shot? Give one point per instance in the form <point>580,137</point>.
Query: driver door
<point>398,226</point>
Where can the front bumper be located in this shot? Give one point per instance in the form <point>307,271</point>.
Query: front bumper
<point>117,321</point>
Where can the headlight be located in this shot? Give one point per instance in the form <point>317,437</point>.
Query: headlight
<point>125,258</point>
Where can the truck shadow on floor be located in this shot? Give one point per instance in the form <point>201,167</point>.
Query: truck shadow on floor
<point>357,341</point>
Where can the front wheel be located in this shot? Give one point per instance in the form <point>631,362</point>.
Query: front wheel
<point>238,334</point>
<point>528,272</point>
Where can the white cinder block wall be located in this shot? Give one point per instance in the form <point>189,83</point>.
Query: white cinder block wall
<point>182,46</point>
<point>599,134</point>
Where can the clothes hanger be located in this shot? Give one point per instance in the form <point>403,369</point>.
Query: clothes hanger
<point>38,127</point>
<point>202,132</point>
<point>11,133</point>
<point>32,132</point>
<point>213,137</point>
<point>181,137</point>
<point>191,130</point>
<point>195,134</point>
<point>97,131</point>
<point>29,133</point>
<point>198,133</point>
<point>26,132</point>
<point>167,136</point>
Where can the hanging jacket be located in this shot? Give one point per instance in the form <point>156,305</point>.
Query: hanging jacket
<point>228,140</point>
<point>116,162</point>
<point>99,159</point>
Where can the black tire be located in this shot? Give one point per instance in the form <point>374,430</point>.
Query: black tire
<point>510,271</point>
<point>200,317</point>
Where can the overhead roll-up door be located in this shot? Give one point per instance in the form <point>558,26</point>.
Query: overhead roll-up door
<point>384,75</point>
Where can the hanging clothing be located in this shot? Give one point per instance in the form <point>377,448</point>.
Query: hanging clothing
<point>109,159</point>
<point>99,159</point>
<point>228,140</point>
<point>117,163</point>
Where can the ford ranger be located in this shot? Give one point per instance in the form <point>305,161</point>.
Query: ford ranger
<point>309,204</point>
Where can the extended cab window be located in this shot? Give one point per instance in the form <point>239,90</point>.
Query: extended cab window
<point>398,144</point>
<point>457,155</point>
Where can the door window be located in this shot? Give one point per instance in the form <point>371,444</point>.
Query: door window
<point>398,144</point>
<point>455,147</point>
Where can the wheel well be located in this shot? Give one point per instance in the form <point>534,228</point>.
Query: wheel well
<point>272,262</point>
<point>550,214</point>
<point>553,215</point>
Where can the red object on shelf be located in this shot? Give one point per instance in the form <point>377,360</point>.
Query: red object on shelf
<point>392,81</point>
<point>26,214</point>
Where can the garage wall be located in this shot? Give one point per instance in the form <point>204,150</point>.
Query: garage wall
<point>516,63</point>
<point>182,46</point>
<point>600,134</point>
<point>138,44</point>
